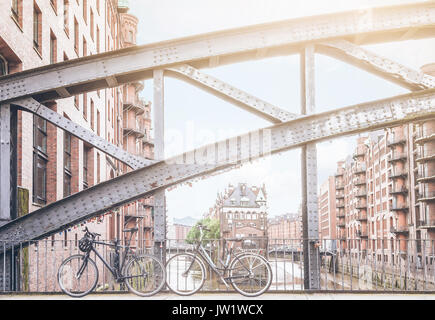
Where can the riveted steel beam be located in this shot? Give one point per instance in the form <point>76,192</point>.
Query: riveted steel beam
<point>310,215</point>
<point>230,93</point>
<point>31,105</point>
<point>381,66</point>
<point>216,157</point>
<point>5,164</point>
<point>223,47</point>
<point>159,154</point>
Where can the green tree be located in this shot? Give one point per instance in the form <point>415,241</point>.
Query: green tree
<point>211,224</point>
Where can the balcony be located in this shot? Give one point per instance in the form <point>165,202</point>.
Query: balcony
<point>137,107</point>
<point>399,207</point>
<point>339,195</point>
<point>426,196</point>
<point>399,190</point>
<point>362,234</point>
<point>425,157</point>
<point>339,186</point>
<point>427,224</point>
<point>339,174</point>
<point>361,193</point>
<point>423,138</point>
<point>133,128</point>
<point>147,140</point>
<point>397,156</point>
<point>132,212</point>
<point>359,181</point>
<point>339,204</point>
<point>340,214</point>
<point>361,205</point>
<point>425,179</point>
<point>395,141</point>
<point>360,169</point>
<point>362,216</point>
<point>341,224</point>
<point>394,174</point>
<point>399,229</point>
<point>359,153</point>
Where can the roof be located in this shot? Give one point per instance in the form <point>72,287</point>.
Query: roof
<point>244,193</point>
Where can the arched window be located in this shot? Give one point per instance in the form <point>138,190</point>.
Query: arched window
<point>3,66</point>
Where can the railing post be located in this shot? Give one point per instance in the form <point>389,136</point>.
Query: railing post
<point>310,225</point>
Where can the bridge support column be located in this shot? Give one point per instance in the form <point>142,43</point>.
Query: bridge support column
<point>159,154</point>
<point>8,186</point>
<point>310,218</point>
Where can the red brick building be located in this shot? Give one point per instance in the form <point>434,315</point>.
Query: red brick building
<point>385,190</point>
<point>328,199</point>
<point>242,211</point>
<point>285,227</point>
<point>53,164</point>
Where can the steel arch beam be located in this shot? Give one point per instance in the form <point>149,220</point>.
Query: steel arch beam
<point>373,63</point>
<point>216,157</point>
<point>229,46</point>
<point>86,135</point>
<point>230,93</point>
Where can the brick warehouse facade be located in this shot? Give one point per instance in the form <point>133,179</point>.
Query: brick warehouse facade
<point>385,190</point>
<point>285,227</point>
<point>52,164</point>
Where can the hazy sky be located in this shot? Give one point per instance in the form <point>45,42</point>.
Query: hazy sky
<point>199,118</point>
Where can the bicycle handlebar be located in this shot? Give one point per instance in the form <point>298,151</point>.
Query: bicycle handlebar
<point>92,234</point>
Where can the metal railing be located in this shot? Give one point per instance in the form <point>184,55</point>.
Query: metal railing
<point>359,264</point>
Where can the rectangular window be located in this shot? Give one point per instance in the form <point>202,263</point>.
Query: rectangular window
<point>85,11</point>
<point>98,40</point>
<point>92,115</point>
<point>66,164</point>
<point>53,48</point>
<point>85,166</point>
<point>40,160</point>
<point>17,11</point>
<point>76,36</point>
<point>54,5</point>
<point>85,47</point>
<point>91,25</point>
<point>98,167</point>
<point>98,122</point>
<point>66,16</point>
<point>37,29</point>
<point>14,9</point>
<point>76,101</point>
<point>85,106</point>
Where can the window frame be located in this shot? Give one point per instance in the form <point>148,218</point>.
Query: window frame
<point>67,176</point>
<point>39,154</point>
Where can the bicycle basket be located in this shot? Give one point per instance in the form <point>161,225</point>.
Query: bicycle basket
<point>85,244</point>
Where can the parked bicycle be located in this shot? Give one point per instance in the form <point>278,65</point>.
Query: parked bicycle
<point>143,274</point>
<point>250,274</point>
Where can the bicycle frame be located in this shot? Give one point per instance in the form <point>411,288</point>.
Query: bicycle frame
<point>116,271</point>
<point>201,251</point>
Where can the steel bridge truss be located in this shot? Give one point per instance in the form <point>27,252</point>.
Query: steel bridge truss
<point>338,35</point>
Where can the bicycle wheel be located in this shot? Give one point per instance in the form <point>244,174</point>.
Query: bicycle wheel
<point>250,274</point>
<point>185,274</point>
<point>144,275</point>
<point>77,276</point>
